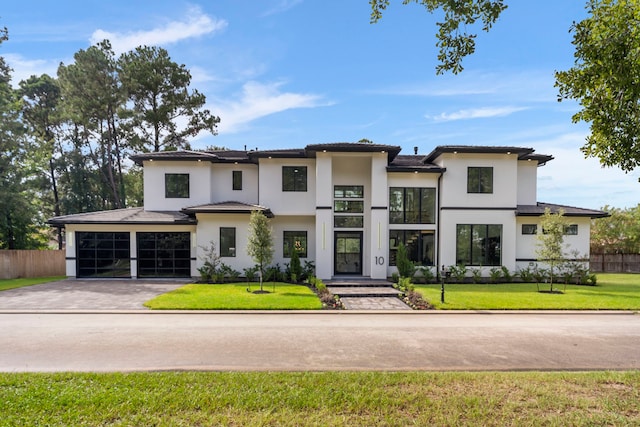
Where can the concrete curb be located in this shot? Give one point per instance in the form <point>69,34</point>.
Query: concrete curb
<point>329,312</point>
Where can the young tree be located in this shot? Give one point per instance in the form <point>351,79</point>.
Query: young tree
<point>604,80</point>
<point>260,244</point>
<point>159,89</point>
<point>550,245</point>
<point>454,43</point>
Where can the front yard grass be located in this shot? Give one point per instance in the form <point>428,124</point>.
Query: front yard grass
<point>6,284</point>
<point>321,398</point>
<point>613,292</point>
<point>235,296</point>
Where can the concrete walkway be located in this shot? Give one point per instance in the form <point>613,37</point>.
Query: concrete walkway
<point>97,294</point>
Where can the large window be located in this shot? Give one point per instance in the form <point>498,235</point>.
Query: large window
<point>227,241</point>
<point>419,244</point>
<point>176,185</point>
<point>294,178</point>
<point>479,180</point>
<point>237,180</point>
<point>412,205</point>
<point>479,244</point>
<point>294,240</point>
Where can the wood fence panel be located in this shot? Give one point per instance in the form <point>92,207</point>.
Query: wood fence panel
<point>615,263</point>
<point>24,263</point>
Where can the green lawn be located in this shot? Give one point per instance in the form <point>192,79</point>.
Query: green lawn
<point>236,297</point>
<point>613,292</point>
<point>19,283</point>
<point>321,398</point>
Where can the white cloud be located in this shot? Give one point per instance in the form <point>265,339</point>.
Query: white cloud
<point>475,113</point>
<point>194,24</point>
<point>259,100</point>
<point>282,6</point>
<point>24,68</point>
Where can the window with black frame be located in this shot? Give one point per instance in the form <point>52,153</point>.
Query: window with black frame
<point>479,244</point>
<point>412,205</point>
<point>294,178</point>
<point>176,185</point>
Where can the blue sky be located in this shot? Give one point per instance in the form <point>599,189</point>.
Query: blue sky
<point>287,73</point>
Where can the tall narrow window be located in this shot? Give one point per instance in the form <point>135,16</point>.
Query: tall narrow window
<point>227,241</point>
<point>176,185</point>
<point>237,180</point>
<point>480,180</point>
<point>294,178</point>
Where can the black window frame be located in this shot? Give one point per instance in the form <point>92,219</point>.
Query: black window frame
<point>488,252</point>
<point>294,178</point>
<point>348,191</point>
<point>477,183</point>
<point>236,178</point>
<point>571,230</point>
<point>289,239</point>
<point>228,242</point>
<point>423,201</point>
<point>415,249</point>
<point>529,229</point>
<point>173,189</point>
<point>348,221</point>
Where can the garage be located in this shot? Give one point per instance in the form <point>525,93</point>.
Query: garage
<point>164,254</point>
<point>103,254</point>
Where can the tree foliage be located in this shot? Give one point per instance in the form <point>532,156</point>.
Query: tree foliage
<point>617,233</point>
<point>604,80</point>
<point>453,40</point>
<point>550,246</point>
<point>159,90</point>
<point>260,244</point>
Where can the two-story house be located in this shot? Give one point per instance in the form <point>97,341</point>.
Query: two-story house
<point>344,206</point>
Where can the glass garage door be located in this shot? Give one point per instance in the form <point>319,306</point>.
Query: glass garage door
<point>103,254</point>
<point>164,254</point>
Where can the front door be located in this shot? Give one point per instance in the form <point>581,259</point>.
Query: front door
<point>348,252</point>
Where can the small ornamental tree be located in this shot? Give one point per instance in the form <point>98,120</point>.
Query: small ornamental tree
<point>260,244</point>
<point>550,245</point>
<point>295,268</point>
<point>403,263</point>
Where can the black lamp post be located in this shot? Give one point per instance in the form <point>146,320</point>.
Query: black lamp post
<point>442,276</point>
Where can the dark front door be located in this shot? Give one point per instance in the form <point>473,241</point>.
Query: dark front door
<point>348,252</point>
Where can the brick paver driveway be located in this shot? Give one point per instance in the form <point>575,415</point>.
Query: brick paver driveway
<point>73,294</point>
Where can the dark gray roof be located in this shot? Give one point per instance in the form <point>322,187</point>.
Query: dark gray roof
<point>284,153</point>
<point>227,208</point>
<point>539,208</point>
<point>124,216</point>
<point>413,163</point>
<point>357,147</point>
<point>441,149</point>
<point>220,156</point>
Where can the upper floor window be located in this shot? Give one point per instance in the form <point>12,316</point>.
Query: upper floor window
<point>479,179</point>
<point>294,178</point>
<point>412,205</point>
<point>571,230</point>
<point>237,180</point>
<point>294,240</point>
<point>529,229</point>
<point>176,185</point>
<point>348,192</point>
<point>228,241</point>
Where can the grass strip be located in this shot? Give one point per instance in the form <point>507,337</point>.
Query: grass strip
<point>6,284</point>
<point>237,296</point>
<point>321,398</point>
<point>613,292</point>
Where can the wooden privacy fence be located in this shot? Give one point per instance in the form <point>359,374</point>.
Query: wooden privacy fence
<point>615,263</point>
<point>16,263</point>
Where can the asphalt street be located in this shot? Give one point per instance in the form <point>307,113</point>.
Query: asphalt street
<point>149,341</point>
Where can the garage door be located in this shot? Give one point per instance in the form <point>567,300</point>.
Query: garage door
<point>164,254</point>
<point>103,254</point>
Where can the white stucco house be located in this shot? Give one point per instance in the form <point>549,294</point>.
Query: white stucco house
<point>344,206</point>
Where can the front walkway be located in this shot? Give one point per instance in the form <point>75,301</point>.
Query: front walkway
<point>366,294</point>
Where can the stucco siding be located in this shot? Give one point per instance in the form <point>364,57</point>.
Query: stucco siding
<point>286,202</point>
<point>222,183</point>
<point>154,184</point>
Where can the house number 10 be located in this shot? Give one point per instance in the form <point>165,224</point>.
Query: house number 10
<point>379,260</point>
